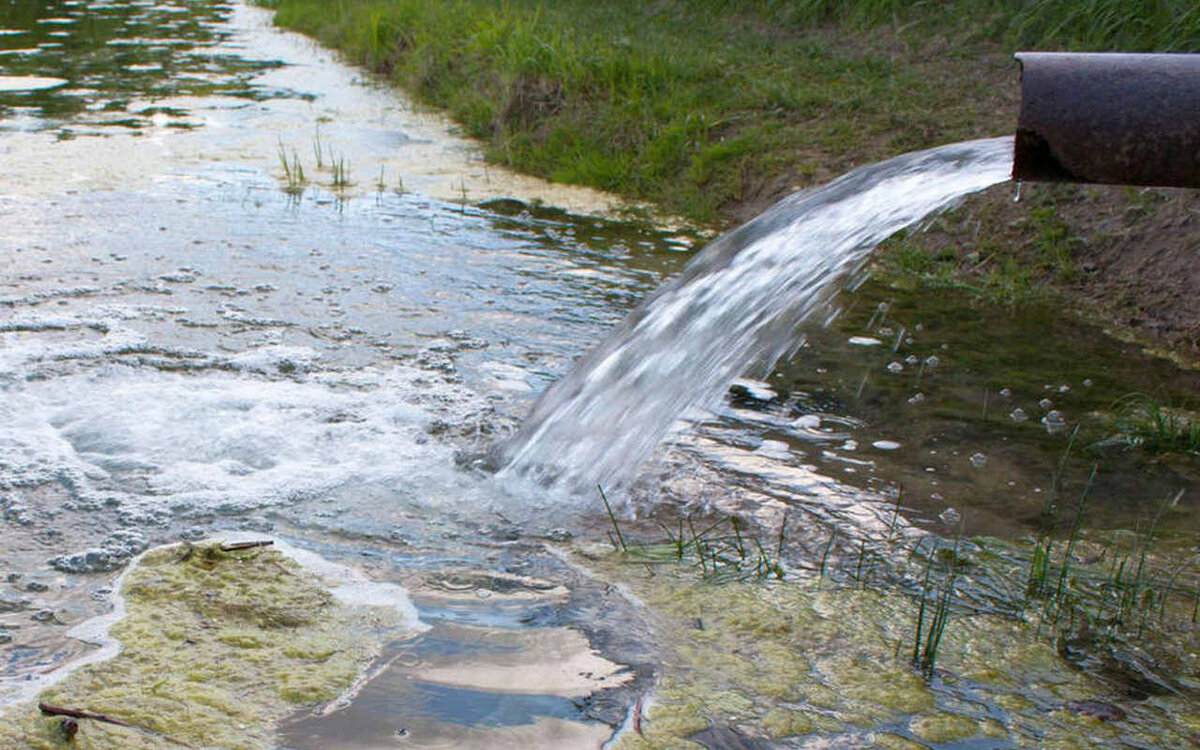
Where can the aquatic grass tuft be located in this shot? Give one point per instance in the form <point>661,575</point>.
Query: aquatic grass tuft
<point>1154,426</point>
<point>619,540</point>
<point>317,147</point>
<point>737,555</point>
<point>293,171</point>
<point>340,171</point>
<point>940,596</point>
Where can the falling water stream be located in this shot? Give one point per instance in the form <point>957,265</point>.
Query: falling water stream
<point>737,305</point>
<point>195,343</point>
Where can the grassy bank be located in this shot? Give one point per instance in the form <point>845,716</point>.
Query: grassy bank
<point>703,105</point>
<point>713,109</point>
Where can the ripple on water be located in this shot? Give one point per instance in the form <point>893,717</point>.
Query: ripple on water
<point>29,83</point>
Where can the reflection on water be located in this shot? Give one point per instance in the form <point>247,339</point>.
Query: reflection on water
<point>116,58</point>
<point>919,390</point>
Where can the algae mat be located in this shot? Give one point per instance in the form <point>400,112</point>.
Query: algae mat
<point>216,647</point>
<point>757,664</point>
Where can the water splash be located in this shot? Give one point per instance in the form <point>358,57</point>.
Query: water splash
<point>735,306</point>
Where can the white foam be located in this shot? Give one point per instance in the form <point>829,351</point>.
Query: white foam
<point>163,442</point>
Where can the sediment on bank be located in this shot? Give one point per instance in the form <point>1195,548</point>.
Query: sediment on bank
<point>714,109</point>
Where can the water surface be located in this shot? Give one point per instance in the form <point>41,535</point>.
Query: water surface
<point>191,344</point>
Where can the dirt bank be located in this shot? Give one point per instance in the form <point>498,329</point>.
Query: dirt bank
<point>1127,258</point>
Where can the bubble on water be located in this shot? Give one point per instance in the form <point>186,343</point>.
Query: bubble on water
<point>112,554</point>
<point>1087,382</point>
<point>1006,392</point>
<point>932,361</point>
<point>885,445</point>
<point>912,360</point>
<point>895,367</point>
<point>916,398</point>
<point>978,460</point>
<point>1064,388</point>
<point>949,516</point>
<point>1045,404</point>
<point>1018,415</point>
<point>1055,421</point>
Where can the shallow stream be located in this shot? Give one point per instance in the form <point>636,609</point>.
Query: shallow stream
<point>195,341</point>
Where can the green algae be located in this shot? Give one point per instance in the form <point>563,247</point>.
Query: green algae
<point>889,741</point>
<point>784,722</point>
<point>781,660</point>
<point>943,727</point>
<point>216,647</point>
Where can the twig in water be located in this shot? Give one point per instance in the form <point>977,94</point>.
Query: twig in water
<point>238,546</point>
<point>779,544</point>
<point>76,713</point>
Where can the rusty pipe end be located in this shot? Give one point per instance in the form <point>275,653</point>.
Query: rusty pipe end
<point>1114,118</point>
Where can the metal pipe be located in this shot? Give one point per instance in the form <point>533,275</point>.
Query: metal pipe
<point>1123,119</point>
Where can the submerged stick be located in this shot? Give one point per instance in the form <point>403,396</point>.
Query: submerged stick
<point>238,546</point>
<point>77,713</point>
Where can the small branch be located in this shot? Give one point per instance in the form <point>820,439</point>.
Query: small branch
<point>238,546</point>
<point>76,713</point>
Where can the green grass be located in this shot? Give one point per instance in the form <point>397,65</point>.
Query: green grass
<point>339,170</point>
<point>293,171</point>
<point>698,105</point>
<point>1156,427</point>
<point>714,109</point>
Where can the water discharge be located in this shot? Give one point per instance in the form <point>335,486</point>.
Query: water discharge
<point>192,348</point>
<point>736,305</point>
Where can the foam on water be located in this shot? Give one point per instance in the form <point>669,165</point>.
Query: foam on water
<point>734,307</point>
<point>231,437</point>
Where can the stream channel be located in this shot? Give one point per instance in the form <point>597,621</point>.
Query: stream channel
<point>197,342</point>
